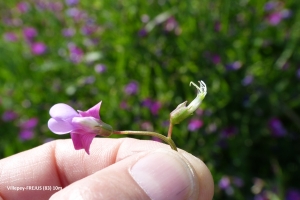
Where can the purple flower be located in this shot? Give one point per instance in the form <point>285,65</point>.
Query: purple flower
<point>238,182</point>
<point>100,68</point>
<point>228,132</point>
<point>29,124</point>
<point>170,24</point>
<point>217,26</point>
<point>195,124</point>
<point>224,183</point>
<point>270,5</point>
<point>76,54</point>
<point>72,2</point>
<point>131,88</point>
<point>26,134</point>
<point>156,139</point>
<point>23,7</point>
<point>274,18</point>
<point>142,32</point>
<point>276,127</point>
<point>29,33</point>
<point>154,106</point>
<point>89,80</point>
<point>298,73</point>
<point>88,29</point>
<point>216,59</point>
<point>233,66</point>
<point>38,48</point>
<point>262,196</point>
<point>147,126</point>
<point>247,80</point>
<point>83,126</point>
<point>293,194</point>
<point>123,105</point>
<point>10,36</point>
<point>9,116</point>
<point>286,13</point>
<point>68,32</point>
<point>27,127</point>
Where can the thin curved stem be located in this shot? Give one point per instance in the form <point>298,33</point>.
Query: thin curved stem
<point>148,133</point>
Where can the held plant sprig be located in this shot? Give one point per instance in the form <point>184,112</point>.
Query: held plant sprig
<point>84,126</point>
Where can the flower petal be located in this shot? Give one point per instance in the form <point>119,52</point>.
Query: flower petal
<point>82,141</point>
<point>63,111</point>
<point>92,112</point>
<point>59,127</point>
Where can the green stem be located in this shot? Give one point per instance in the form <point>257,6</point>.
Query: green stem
<point>148,133</point>
<point>170,129</point>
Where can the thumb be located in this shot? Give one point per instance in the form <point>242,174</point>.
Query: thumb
<point>157,175</point>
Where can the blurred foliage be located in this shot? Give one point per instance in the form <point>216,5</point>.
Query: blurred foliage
<point>245,51</point>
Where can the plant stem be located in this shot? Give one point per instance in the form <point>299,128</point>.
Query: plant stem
<point>170,129</point>
<point>148,133</point>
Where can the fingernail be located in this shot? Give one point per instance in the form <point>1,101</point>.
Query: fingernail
<point>165,175</point>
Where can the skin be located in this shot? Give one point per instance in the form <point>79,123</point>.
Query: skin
<point>101,175</point>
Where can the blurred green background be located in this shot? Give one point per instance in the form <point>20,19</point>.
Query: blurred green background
<point>138,57</point>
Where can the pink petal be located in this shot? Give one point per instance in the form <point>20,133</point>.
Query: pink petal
<point>92,112</point>
<point>63,111</point>
<point>82,141</point>
<point>59,127</point>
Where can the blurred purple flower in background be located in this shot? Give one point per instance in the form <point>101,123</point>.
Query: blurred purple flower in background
<point>216,59</point>
<point>195,124</point>
<point>228,132</point>
<point>298,73</point>
<point>170,24</point>
<point>274,18</point>
<point>29,33</point>
<point>76,54</point>
<point>293,194</point>
<point>271,5</point>
<point>217,26</point>
<point>146,126</point>
<point>224,183</point>
<point>38,48</point>
<point>156,139</point>
<point>123,105</point>
<point>237,181</point>
<point>152,105</point>
<point>10,36</point>
<point>89,80</point>
<point>131,88</point>
<point>72,2</point>
<point>142,32</point>
<point>247,80</point>
<point>29,124</point>
<point>68,32</point>
<point>276,127</point>
<point>88,29</point>
<point>73,12</point>
<point>26,134</point>
<point>27,129</point>
<point>9,115</point>
<point>100,68</point>
<point>23,7</point>
<point>155,107</point>
<point>233,66</point>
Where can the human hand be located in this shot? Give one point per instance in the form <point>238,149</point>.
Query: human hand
<point>116,169</point>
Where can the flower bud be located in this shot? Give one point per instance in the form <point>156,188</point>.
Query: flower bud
<point>182,111</point>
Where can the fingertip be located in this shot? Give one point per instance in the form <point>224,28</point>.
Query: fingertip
<point>206,183</point>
